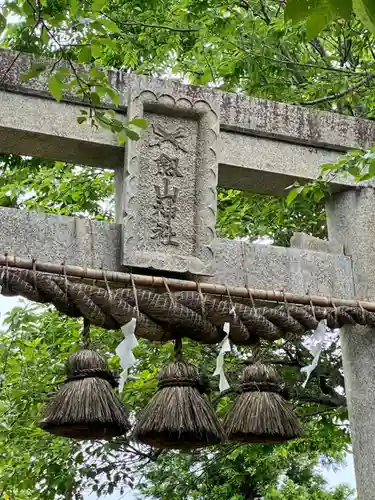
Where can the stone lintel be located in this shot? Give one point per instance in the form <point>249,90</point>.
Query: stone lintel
<point>41,127</point>
<point>36,126</point>
<point>76,241</point>
<point>252,116</point>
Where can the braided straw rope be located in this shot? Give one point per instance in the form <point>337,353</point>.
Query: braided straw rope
<point>162,317</point>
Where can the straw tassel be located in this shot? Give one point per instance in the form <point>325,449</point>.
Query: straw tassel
<point>86,406</point>
<point>178,415</point>
<point>260,413</point>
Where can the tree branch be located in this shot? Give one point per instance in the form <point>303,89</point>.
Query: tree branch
<point>155,26</point>
<point>332,97</point>
<point>6,72</point>
<point>161,27</point>
<point>333,401</point>
<point>267,18</point>
<point>301,65</point>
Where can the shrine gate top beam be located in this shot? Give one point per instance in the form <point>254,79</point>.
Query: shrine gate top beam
<point>279,141</point>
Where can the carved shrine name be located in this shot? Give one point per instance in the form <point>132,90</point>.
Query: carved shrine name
<point>165,206</point>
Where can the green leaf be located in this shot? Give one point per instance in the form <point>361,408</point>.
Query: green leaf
<point>55,87</point>
<point>317,13</point>
<point>322,15</point>
<point>365,10</point>
<point>96,50</point>
<point>131,134</point>
<point>114,95</point>
<point>121,136</point>
<point>325,11</point>
<point>109,42</point>
<point>97,5</point>
<point>81,119</point>
<point>328,166</point>
<point>74,7</point>
<point>28,9</point>
<point>95,99</point>
<point>44,36</point>
<point>97,25</point>
<point>293,193</point>
<point>297,10</point>
<point>355,171</point>
<point>139,122</point>
<point>97,73</point>
<point>3,23</point>
<point>35,70</point>
<point>343,8</point>
<point>62,72</point>
<point>117,125</point>
<point>371,170</point>
<point>84,55</point>
<point>110,25</point>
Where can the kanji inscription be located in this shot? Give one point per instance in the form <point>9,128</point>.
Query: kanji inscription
<point>166,196</point>
<point>168,166</point>
<point>165,213</point>
<point>163,134</point>
<point>170,176</point>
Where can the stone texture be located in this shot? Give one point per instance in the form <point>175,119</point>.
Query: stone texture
<point>299,124</point>
<point>81,242</point>
<point>358,353</point>
<point>263,146</point>
<point>168,198</point>
<point>351,222</point>
<point>294,270</point>
<point>58,239</point>
<point>42,127</point>
<point>269,166</point>
<point>238,113</point>
<point>308,242</point>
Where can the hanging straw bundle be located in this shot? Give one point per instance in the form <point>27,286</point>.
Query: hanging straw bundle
<point>260,413</point>
<point>178,415</point>
<point>86,406</point>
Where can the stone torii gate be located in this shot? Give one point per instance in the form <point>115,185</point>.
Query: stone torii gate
<point>166,201</point>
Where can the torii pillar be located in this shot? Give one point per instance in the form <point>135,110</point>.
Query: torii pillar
<point>351,221</point>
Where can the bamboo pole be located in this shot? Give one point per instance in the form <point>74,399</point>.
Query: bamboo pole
<point>178,284</point>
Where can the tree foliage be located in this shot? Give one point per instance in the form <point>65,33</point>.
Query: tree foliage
<point>319,13</point>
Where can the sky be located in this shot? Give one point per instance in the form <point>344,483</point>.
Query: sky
<point>334,477</point>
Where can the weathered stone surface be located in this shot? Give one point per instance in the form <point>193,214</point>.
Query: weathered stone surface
<point>245,162</point>
<point>58,239</point>
<point>294,270</point>
<point>300,125</point>
<point>263,146</point>
<point>52,238</point>
<point>169,185</point>
<point>308,242</point>
<point>42,127</point>
<point>351,222</point>
<point>238,113</point>
<point>269,166</point>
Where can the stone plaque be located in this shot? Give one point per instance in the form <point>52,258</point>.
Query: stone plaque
<point>168,199</point>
